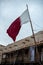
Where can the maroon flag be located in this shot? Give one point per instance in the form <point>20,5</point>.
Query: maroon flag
<point>14,28</point>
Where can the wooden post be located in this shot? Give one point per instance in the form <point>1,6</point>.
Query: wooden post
<point>17,57</point>
<point>22,55</point>
<point>10,58</point>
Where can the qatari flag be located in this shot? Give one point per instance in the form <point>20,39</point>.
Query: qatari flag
<point>14,28</point>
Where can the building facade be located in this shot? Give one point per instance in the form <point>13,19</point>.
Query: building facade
<point>24,51</point>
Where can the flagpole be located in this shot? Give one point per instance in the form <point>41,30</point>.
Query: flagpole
<point>32,33</point>
<point>31,26</point>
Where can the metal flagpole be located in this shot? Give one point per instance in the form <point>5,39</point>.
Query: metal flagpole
<point>33,33</point>
<point>31,26</point>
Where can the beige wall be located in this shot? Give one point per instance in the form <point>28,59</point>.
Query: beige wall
<point>26,42</point>
<point>1,51</point>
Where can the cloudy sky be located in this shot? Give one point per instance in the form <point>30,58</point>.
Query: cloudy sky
<point>11,9</point>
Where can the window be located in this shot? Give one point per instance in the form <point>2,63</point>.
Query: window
<point>31,53</point>
<point>23,42</point>
<point>27,40</point>
<point>4,56</point>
